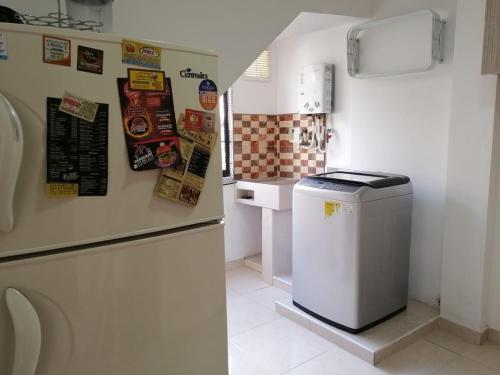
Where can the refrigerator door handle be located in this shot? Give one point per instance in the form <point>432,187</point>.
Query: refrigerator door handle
<point>11,154</point>
<point>28,334</point>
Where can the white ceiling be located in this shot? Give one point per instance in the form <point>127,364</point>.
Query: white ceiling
<point>307,22</point>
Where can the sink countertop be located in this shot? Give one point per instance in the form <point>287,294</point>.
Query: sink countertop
<point>274,181</point>
<point>274,193</point>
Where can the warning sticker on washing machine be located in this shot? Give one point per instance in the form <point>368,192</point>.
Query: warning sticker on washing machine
<point>347,208</point>
<point>332,207</point>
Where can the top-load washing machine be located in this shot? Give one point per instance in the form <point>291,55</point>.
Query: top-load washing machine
<point>351,245</point>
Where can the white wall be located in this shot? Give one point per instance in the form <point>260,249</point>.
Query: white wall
<point>237,29</point>
<point>253,97</point>
<point>400,124</point>
<point>437,127</point>
<point>325,46</point>
<point>242,233</point>
<point>258,97</point>
<point>493,259</point>
<point>395,124</point>
<point>279,96</point>
<point>469,168</point>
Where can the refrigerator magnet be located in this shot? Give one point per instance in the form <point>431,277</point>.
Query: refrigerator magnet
<point>136,53</point>
<point>78,107</point>
<point>148,119</point>
<point>149,80</point>
<point>184,183</point>
<point>56,51</point>
<point>200,121</point>
<point>90,60</point>
<point>3,47</point>
<point>208,94</point>
<point>208,140</point>
<point>77,152</point>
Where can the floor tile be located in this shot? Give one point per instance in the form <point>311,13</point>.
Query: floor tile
<point>231,294</point>
<point>365,344</point>
<point>335,362</point>
<point>264,343</point>
<point>244,314</point>
<point>420,358</point>
<point>488,354</point>
<point>280,345</point>
<point>415,315</point>
<point>382,334</point>
<point>244,280</point>
<point>418,312</point>
<point>268,296</point>
<point>464,366</point>
<point>240,364</point>
<point>448,341</point>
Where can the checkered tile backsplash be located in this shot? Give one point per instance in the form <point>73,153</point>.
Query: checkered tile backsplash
<point>262,148</point>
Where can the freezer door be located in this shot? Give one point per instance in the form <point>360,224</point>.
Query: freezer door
<point>130,206</point>
<point>153,306</point>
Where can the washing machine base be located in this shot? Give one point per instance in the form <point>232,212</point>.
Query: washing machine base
<point>354,331</point>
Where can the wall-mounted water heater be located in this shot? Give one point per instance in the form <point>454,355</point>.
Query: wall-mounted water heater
<point>316,89</point>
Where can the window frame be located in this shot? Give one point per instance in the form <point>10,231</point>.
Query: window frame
<point>227,138</point>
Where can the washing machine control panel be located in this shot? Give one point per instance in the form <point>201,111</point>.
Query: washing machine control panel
<point>329,185</point>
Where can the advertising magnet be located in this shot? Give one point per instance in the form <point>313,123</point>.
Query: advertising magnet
<point>208,94</point>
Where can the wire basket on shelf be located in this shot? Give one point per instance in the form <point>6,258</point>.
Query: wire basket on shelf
<point>61,20</point>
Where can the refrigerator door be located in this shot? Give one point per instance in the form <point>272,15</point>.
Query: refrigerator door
<point>130,206</point>
<point>150,306</point>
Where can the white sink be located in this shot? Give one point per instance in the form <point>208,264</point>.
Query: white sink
<point>274,193</point>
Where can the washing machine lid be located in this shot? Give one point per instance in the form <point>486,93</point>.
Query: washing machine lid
<point>375,180</point>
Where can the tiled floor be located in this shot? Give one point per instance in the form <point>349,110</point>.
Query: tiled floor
<point>375,343</point>
<point>261,342</point>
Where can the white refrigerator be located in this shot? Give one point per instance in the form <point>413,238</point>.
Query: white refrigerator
<point>123,284</point>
